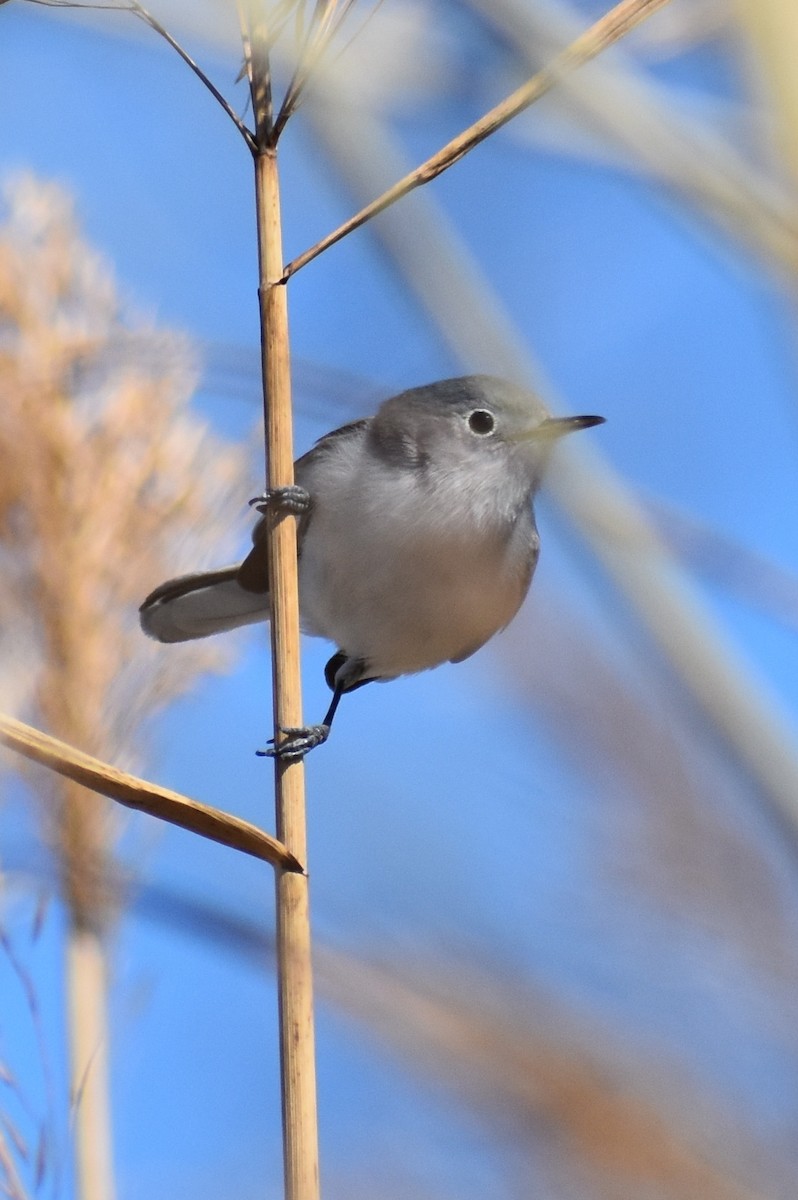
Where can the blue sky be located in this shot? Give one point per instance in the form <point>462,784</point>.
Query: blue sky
<point>637,309</point>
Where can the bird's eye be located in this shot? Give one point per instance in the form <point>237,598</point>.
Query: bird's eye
<point>480,421</point>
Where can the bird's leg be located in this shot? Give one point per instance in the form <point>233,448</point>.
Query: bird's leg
<point>291,499</point>
<point>300,739</point>
<point>343,674</point>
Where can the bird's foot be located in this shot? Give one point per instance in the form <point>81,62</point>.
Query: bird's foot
<point>291,499</point>
<point>298,741</point>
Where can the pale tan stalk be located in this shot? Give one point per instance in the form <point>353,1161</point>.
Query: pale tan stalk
<point>294,968</point>
<point>87,1014</point>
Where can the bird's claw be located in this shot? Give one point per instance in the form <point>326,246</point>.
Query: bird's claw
<point>290,499</point>
<point>299,740</point>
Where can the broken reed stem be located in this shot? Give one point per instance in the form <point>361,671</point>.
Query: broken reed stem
<point>294,968</point>
<point>139,794</point>
<point>610,28</point>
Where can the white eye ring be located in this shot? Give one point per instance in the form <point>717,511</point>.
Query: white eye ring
<point>481,422</point>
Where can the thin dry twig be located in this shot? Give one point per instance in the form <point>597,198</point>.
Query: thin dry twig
<point>138,10</point>
<point>605,32</point>
<point>28,989</point>
<point>143,796</point>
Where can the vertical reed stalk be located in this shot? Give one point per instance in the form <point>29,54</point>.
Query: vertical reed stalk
<point>294,971</point>
<point>88,1047</point>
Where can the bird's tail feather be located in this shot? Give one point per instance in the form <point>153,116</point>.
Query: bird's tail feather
<point>196,606</point>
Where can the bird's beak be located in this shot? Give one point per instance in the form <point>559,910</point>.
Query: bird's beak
<point>552,428</point>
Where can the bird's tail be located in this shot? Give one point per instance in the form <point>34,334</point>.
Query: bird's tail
<point>196,606</point>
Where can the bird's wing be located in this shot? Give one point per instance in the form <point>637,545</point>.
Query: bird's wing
<point>253,574</point>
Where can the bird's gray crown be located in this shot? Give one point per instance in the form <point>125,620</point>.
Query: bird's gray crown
<point>407,427</point>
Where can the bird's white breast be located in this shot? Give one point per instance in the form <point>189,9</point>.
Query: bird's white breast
<point>404,576</point>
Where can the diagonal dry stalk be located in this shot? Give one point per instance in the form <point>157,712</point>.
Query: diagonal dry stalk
<point>610,28</point>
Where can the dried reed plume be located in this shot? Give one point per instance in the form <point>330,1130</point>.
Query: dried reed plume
<point>109,484</point>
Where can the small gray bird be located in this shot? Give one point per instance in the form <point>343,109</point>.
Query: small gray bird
<point>416,535</point>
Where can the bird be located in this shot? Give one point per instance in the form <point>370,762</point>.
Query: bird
<point>416,538</point>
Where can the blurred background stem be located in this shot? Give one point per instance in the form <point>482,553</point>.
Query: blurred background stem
<point>771,27</point>
<point>88,1042</point>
